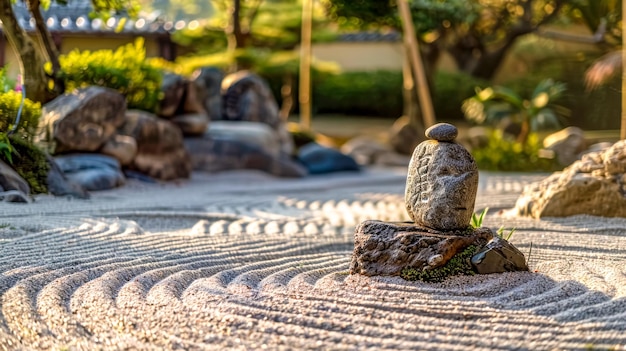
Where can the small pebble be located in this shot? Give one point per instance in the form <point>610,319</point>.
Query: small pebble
<point>442,132</point>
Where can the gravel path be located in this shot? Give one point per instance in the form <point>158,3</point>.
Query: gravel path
<point>241,260</point>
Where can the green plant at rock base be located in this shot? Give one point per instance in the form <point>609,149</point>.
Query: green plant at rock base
<point>500,233</point>
<point>6,149</point>
<point>477,222</point>
<point>30,163</point>
<point>459,264</point>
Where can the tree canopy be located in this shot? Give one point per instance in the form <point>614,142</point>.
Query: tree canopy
<point>477,33</point>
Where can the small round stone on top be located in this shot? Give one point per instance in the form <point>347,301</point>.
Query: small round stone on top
<point>442,132</point>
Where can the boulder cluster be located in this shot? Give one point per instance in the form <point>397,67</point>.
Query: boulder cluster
<point>207,122</point>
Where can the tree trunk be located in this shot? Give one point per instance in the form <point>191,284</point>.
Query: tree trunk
<point>51,50</point>
<point>234,33</point>
<point>30,58</point>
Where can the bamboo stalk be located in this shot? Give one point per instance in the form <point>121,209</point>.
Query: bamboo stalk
<point>305,65</point>
<point>423,91</point>
<point>622,134</point>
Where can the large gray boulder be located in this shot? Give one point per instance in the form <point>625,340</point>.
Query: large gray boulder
<point>82,120</point>
<point>224,154</point>
<point>256,133</point>
<point>247,97</point>
<point>442,181</point>
<point>161,153</point>
<point>594,185</point>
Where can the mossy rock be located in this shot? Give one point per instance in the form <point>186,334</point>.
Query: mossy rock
<point>459,264</point>
<point>30,163</point>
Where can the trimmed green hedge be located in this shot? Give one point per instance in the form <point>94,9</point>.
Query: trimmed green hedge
<point>376,93</point>
<point>125,70</point>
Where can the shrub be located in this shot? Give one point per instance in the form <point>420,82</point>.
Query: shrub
<point>29,120</point>
<point>125,70</point>
<point>6,83</point>
<point>532,112</point>
<point>502,154</point>
<point>29,162</point>
<point>376,93</point>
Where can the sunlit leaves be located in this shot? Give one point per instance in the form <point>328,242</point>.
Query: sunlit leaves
<point>124,70</point>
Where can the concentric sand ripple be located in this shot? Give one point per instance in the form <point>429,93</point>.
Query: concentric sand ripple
<point>242,261</point>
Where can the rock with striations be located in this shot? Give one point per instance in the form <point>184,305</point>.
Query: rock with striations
<point>208,83</point>
<point>594,185</point>
<point>161,153</point>
<point>216,154</point>
<point>247,97</point>
<point>13,188</point>
<point>92,171</point>
<point>442,181</point>
<point>82,120</point>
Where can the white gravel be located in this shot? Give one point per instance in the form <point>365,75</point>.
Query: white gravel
<point>241,260</point>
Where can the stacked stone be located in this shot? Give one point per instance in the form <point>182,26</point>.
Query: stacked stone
<point>441,188</point>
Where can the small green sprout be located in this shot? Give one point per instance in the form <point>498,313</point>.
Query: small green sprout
<point>500,233</point>
<point>477,220</point>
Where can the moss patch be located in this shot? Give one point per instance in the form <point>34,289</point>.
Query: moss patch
<point>459,264</point>
<point>30,163</point>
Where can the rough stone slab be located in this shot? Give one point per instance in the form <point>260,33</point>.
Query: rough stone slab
<point>383,248</point>
<point>594,185</point>
<point>82,120</point>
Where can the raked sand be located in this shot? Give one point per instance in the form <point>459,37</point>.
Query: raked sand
<point>241,260</point>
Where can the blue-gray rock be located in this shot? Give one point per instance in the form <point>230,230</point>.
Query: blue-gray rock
<point>92,171</point>
<point>319,159</point>
<point>442,132</point>
<point>60,185</point>
<point>499,256</point>
<point>13,188</point>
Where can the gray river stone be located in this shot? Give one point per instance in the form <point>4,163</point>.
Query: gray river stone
<point>442,132</point>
